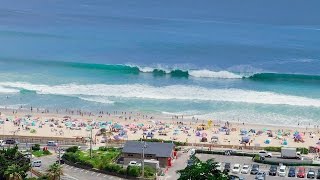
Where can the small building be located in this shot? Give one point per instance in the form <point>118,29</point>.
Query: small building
<point>162,152</point>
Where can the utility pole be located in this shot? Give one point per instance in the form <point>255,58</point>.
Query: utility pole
<point>144,146</point>
<point>91,143</point>
<point>31,161</point>
<point>59,150</point>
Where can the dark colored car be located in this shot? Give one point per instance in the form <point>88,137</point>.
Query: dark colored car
<point>292,172</point>
<point>61,161</point>
<point>11,141</point>
<point>273,170</point>
<point>254,169</point>
<point>227,168</point>
<point>301,172</point>
<point>318,174</point>
<point>311,174</point>
<point>189,162</point>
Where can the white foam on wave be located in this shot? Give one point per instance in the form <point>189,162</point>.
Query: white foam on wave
<point>97,99</point>
<point>5,90</point>
<point>178,92</point>
<point>214,74</point>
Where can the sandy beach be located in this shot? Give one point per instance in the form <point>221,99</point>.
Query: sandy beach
<point>133,126</point>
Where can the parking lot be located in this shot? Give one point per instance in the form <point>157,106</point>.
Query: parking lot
<point>247,160</point>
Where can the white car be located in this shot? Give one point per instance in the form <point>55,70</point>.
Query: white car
<point>236,168</point>
<point>218,166</point>
<point>2,143</point>
<point>134,163</point>
<point>245,169</point>
<point>282,171</point>
<point>265,154</point>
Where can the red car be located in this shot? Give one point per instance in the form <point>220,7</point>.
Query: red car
<point>301,172</point>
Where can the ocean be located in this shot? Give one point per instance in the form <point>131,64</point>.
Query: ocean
<point>256,62</point>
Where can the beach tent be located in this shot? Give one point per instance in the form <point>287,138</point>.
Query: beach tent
<point>268,141</point>
<point>285,142</point>
<point>204,134</point>
<point>243,132</point>
<point>245,139</point>
<point>214,139</point>
<point>204,139</point>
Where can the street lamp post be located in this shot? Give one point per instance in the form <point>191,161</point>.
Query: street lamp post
<point>144,146</point>
<point>91,144</point>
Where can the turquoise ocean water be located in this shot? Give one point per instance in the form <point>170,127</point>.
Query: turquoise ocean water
<point>246,61</point>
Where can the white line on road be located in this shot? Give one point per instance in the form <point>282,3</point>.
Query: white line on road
<point>99,174</point>
<point>92,173</point>
<point>81,170</point>
<point>105,176</point>
<point>87,172</point>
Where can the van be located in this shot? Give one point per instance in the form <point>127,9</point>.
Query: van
<point>1,143</point>
<point>11,141</point>
<point>51,143</point>
<point>36,163</point>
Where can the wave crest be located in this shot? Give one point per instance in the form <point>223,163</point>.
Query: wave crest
<point>173,92</point>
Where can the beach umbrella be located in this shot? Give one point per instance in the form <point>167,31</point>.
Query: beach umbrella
<point>204,135</point>
<point>197,133</point>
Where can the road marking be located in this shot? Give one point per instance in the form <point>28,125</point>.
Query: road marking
<point>87,172</point>
<point>81,170</point>
<point>105,176</point>
<point>99,174</point>
<point>71,167</point>
<point>92,173</point>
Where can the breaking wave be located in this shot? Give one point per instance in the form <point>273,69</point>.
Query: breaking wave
<point>172,92</point>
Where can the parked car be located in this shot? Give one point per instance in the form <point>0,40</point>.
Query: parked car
<point>11,141</point>
<point>318,174</point>
<point>134,163</point>
<point>265,154</point>
<point>260,175</point>
<point>245,169</point>
<point>51,143</point>
<point>254,169</point>
<point>282,171</point>
<point>236,168</point>
<point>189,162</point>
<point>311,174</point>
<point>301,172</point>
<point>61,161</point>
<point>227,167</point>
<point>1,143</point>
<point>218,166</point>
<point>292,172</point>
<point>36,163</point>
<point>273,170</point>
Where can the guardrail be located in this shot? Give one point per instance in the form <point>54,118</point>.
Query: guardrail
<point>44,140</point>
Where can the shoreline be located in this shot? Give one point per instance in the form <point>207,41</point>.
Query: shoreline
<point>175,128</point>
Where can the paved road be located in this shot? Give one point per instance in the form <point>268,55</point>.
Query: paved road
<point>70,172</point>
<point>243,160</point>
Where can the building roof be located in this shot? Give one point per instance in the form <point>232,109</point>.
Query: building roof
<point>157,148</point>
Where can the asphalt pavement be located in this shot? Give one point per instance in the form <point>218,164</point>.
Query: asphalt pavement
<point>245,160</point>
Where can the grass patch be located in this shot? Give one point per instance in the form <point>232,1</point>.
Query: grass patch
<point>99,158</point>
<point>41,153</point>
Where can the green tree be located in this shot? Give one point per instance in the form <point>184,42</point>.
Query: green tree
<point>54,171</point>
<point>13,172</point>
<point>202,171</point>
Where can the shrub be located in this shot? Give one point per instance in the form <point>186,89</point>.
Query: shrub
<point>72,149</point>
<point>46,152</point>
<point>273,149</point>
<point>122,171</point>
<point>36,147</point>
<point>133,171</point>
<point>111,149</point>
<point>303,150</point>
<point>149,171</point>
<point>112,168</point>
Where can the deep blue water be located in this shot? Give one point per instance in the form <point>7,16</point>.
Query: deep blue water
<point>213,44</point>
